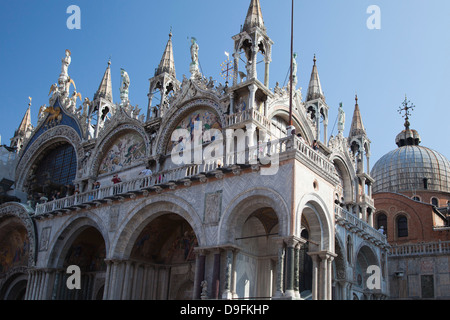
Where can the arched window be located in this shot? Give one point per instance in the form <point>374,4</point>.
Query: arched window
<point>416,198</point>
<point>435,201</point>
<point>55,171</point>
<point>382,222</point>
<point>402,226</point>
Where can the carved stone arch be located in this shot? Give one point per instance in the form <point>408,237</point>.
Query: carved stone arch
<point>108,138</point>
<point>347,172</point>
<point>68,232</point>
<point>244,37</point>
<point>178,115</point>
<point>320,221</point>
<point>239,208</point>
<point>40,146</point>
<point>22,212</point>
<point>281,108</point>
<point>144,213</point>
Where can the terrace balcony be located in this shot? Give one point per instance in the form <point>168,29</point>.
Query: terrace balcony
<point>279,150</point>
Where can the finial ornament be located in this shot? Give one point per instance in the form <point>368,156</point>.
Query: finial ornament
<point>406,107</point>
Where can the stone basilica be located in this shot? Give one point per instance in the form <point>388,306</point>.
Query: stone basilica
<point>218,192</point>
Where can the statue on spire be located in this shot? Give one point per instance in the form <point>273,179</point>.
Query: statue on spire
<point>124,86</point>
<point>341,120</point>
<point>294,70</point>
<point>64,76</point>
<point>194,55</point>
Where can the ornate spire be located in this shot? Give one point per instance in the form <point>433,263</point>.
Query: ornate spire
<point>25,124</point>
<point>254,17</point>
<point>357,127</point>
<point>105,89</point>
<point>167,63</point>
<point>315,88</point>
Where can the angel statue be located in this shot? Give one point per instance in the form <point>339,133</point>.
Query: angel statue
<point>53,89</point>
<point>75,95</point>
<point>41,111</point>
<point>86,105</point>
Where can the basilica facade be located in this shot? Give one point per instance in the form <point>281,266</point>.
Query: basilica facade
<point>228,191</point>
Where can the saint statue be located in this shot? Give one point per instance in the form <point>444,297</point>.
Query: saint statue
<point>64,76</point>
<point>124,85</point>
<point>194,51</point>
<point>65,63</point>
<point>341,120</point>
<point>294,69</point>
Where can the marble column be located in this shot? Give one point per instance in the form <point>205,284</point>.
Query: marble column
<point>315,275</point>
<point>290,268</point>
<point>251,97</point>
<point>216,275</point>
<point>199,272</point>
<point>227,294</point>
<point>280,271</point>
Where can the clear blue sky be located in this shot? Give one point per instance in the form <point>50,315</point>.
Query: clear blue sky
<point>410,54</point>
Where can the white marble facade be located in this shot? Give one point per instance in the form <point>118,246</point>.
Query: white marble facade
<point>301,231</point>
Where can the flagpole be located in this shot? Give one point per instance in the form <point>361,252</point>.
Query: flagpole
<point>291,77</point>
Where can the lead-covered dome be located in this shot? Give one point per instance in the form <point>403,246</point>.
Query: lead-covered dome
<point>411,167</point>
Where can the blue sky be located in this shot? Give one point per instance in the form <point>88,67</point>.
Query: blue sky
<point>409,55</point>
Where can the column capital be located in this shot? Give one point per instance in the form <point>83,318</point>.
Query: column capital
<point>293,241</point>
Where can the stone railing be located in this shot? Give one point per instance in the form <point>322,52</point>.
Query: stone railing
<point>314,157</point>
<point>440,247</point>
<point>353,223</point>
<point>118,190</point>
<point>248,115</point>
<point>166,178</point>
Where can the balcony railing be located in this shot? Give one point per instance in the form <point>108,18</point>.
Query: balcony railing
<point>248,115</point>
<point>352,222</point>
<point>167,178</point>
<point>440,247</point>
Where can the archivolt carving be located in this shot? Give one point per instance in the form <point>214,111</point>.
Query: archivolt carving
<point>174,119</point>
<point>109,140</point>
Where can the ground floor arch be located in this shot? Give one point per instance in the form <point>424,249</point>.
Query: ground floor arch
<point>316,232</point>
<point>17,250</point>
<point>156,261</point>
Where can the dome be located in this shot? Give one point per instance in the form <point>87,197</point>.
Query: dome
<point>411,168</point>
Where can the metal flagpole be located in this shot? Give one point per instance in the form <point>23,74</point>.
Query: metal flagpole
<point>291,77</point>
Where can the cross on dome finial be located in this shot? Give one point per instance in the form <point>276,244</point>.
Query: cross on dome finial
<point>407,106</point>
